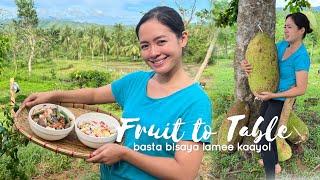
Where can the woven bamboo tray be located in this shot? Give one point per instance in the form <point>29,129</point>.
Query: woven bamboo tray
<point>69,145</point>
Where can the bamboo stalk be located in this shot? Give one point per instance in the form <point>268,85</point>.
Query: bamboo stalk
<point>286,110</point>
<point>206,59</point>
<point>315,168</point>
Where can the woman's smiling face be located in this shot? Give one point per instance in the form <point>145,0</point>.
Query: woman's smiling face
<point>160,47</point>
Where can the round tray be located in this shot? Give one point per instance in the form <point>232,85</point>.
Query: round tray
<point>69,145</point>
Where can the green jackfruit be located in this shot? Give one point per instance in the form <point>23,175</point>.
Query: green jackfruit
<point>215,126</point>
<point>262,55</point>
<point>284,149</point>
<point>298,129</point>
<point>239,108</point>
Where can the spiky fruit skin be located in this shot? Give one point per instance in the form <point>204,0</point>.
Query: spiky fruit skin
<point>217,123</point>
<point>262,55</point>
<point>284,150</point>
<point>239,108</point>
<point>298,129</point>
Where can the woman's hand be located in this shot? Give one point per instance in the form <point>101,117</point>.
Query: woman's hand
<point>265,96</point>
<point>246,67</point>
<point>37,98</point>
<point>108,154</point>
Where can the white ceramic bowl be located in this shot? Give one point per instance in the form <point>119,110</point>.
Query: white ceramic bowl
<point>96,142</point>
<point>50,134</point>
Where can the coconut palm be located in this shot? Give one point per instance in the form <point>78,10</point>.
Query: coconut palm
<point>118,39</point>
<point>76,44</point>
<point>131,47</point>
<point>91,33</point>
<point>65,39</point>
<point>53,34</point>
<point>104,43</point>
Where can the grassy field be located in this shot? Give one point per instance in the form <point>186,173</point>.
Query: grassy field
<point>40,163</point>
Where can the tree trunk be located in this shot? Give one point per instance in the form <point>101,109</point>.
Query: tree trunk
<point>15,61</point>
<point>79,55</point>
<point>30,61</point>
<point>225,47</point>
<point>117,51</point>
<point>92,53</point>
<point>32,46</point>
<point>68,39</point>
<point>311,52</point>
<point>251,15</point>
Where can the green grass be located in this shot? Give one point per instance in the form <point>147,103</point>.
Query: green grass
<point>41,163</point>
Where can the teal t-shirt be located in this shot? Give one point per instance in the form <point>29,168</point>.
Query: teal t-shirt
<point>188,104</point>
<point>298,61</point>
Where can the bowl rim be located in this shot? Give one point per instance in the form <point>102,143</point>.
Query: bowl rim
<point>77,121</point>
<point>66,130</point>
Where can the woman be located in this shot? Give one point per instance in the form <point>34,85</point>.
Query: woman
<point>159,98</point>
<point>294,64</point>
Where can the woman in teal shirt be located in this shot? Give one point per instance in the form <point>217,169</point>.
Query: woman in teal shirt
<point>294,64</point>
<point>160,100</point>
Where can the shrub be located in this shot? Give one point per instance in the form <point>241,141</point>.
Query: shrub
<point>53,73</point>
<point>92,78</point>
<point>67,67</point>
<point>10,142</point>
<point>222,102</point>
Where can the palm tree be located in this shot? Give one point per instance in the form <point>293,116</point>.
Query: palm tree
<point>65,39</point>
<point>76,44</point>
<point>118,39</point>
<point>53,36</point>
<point>104,45</point>
<point>91,32</point>
<point>131,47</point>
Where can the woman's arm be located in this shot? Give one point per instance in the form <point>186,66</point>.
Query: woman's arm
<point>299,89</point>
<point>86,96</point>
<point>184,165</point>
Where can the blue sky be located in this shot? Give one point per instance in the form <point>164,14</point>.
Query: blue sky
<point>97,11</point>
<point>103,11</point>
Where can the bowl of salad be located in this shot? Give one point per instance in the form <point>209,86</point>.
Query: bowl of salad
<point>96,129</point>
<point>50,121</point>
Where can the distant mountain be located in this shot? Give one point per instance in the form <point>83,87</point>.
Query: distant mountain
<point>47,23</point>
<point>316,8</point>
<point>58,23</point>
<point>51,22</point>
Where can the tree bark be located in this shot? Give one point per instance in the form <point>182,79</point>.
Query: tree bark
<point>251,15</point>
<point>15,59</point>
<point>32,49</point>
<point>225,47</point>
<point>92,55</point>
